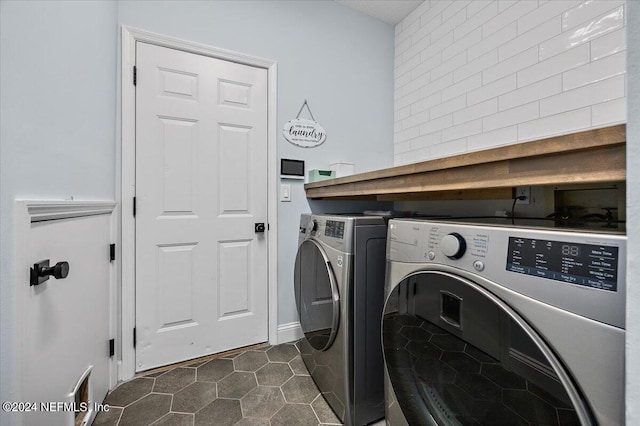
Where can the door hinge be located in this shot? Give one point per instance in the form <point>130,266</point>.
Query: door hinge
<point>112,252</point>
<point>134,337</point>
<point>112,347</point>
<point>134,206</point>
<point>135,75</point>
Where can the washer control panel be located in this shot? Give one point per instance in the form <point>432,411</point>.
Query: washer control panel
<point>334,228</point>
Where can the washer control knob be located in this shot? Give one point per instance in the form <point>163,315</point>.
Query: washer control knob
<point>453,245</point>
<point>431,255</point>
<point>478,265</point>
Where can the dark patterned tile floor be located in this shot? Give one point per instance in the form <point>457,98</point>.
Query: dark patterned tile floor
<point>267,385</point>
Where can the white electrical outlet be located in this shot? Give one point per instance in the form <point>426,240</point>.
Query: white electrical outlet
<point>523,191</point>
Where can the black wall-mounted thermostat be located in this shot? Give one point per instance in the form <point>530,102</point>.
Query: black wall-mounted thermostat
<point>291,169</point>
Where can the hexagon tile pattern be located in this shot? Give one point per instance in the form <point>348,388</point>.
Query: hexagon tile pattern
<point>261,386</point>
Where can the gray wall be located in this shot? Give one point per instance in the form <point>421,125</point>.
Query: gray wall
<point>340,61</point>
<point>58,109</point>
<point>60,103</point>
<point>633,214</point>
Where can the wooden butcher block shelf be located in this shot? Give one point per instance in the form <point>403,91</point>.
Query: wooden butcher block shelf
<point>592,156</point>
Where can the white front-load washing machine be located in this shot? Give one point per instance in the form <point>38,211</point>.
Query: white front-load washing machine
<point>339,290</point>
<point>501,324</point>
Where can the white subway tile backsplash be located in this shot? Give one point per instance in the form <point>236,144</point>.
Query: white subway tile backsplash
<point>416,14</point>
<point>492,90</point>
<point>582,34</point>
<point>531,38</point>
<point>406,135</point>
<point>608,44</point>
<point>543,13</point>
<point>506,4</point>
<point>492,41</point>
<point>475,20</point>
<point>461,45</point>
<point>462,130</point>
<point>609,113</point>
<point>476,66</point>
<point>437,8</point>
<point>595,71</point>
<point>601,91</point>
<point>407,66</point>
<point>415,120</point>
<point>415,156</point>
<point>493,138</point>
<point>533,92</point>
<point>402,47</point>
<point>476,74</point>
<point>413,51</point>
<point>401,147</point>
<point>437,85</point>
<point>406,100</point>
<point>401,81</point>
<point>406,33</point>
<point>426,65</point>
<point>511,116</point>
<point>516,63</point>
<point>446,149</point>
<point>401,114</point>
<point>447,107</point>
<point>463,86</point>
<point>426,28</point>
<point>426,140</point>
<point>476,111</point>
<point>449,25</point>
<point>437,124</point>
<point>553,125</point>
<point>416,83</point>
<point>477,5</point>
<point>588,11</point>
<point>425,103</point>
<point>556,65</point>
<point>449,66</point>
<point>507,16</point>
<point>438,47</point>
<point>454,8</point>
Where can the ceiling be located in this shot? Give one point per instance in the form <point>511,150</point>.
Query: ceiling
<point>389,11</point>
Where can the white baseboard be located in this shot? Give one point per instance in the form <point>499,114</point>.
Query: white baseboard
<point>289,332</point>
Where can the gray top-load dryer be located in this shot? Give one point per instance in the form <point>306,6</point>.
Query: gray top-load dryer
<point>339,289</point>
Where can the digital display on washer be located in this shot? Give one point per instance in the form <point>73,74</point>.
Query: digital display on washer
<point>334,229</point>
<point>583,264</point>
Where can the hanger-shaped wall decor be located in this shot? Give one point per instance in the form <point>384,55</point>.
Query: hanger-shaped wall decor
<point>303,132</point>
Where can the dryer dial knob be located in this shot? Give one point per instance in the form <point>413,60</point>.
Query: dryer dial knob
<point>453,245</point>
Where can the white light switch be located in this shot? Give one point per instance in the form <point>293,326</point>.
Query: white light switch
<point>285,192</point>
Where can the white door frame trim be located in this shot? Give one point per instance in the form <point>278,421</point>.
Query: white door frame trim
<point>125,185</point>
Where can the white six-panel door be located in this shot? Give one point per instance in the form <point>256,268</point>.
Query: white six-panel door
<point>201,185</point>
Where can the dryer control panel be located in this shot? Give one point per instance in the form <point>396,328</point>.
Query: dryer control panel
<point>582,264</point>
<point>582,272</point>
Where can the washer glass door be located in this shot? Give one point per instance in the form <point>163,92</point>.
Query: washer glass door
<point>457,355</point>
<point>317,297</point>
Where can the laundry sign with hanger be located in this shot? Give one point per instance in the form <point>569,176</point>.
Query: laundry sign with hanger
<point>303,132</point>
